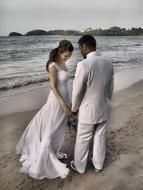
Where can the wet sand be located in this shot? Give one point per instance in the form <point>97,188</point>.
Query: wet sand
<point>123,169</point>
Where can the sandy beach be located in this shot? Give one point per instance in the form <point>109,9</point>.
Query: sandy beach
<point>123,169</point>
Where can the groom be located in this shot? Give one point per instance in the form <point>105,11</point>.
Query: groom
<point>91,98</point>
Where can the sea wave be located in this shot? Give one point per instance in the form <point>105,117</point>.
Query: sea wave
<point>23,59</point>
<point>135,60</point>
<point>16,82</point>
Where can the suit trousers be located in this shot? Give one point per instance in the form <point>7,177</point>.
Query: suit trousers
<point>85,132</point>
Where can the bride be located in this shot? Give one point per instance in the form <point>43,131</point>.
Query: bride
<point>41,141</point>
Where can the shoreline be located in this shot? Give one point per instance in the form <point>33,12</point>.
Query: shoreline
<point>24,101</point>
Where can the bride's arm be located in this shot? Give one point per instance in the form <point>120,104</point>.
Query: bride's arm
<point>53,81</point>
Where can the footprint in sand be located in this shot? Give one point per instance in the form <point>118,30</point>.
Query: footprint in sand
<point>140,179</point>
<point>21,183</point>
<point>61,185</point>
<point>129,170</point>
<point>141,164</point>
<point>4,166</point>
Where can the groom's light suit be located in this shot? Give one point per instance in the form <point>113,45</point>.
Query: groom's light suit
<point>92,92</point>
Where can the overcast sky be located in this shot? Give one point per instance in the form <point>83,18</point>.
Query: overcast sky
<point>25,15</point>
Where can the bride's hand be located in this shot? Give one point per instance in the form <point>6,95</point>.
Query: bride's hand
<point>67,110</point>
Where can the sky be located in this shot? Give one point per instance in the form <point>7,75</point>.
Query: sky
<point>25,15</point>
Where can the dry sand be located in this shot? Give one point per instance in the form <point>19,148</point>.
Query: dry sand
<point>123,169</point>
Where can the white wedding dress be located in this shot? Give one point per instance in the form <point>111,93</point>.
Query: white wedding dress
<point>44,135</point>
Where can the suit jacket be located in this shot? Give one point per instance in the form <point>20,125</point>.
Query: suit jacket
<point>93,88</point>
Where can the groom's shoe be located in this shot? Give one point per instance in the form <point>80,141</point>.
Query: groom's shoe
<point>73,166</point>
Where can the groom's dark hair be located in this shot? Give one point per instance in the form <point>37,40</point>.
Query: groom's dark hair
<point>88,40</point>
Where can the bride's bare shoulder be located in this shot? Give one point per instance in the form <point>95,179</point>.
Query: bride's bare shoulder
<point>52,64</point>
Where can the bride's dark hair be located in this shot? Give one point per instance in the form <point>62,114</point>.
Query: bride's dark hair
<point>64,45</point>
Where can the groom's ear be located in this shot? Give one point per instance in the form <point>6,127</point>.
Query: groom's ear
<point>84,47</point>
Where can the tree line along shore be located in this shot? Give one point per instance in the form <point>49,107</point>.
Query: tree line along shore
<point>113,31</point>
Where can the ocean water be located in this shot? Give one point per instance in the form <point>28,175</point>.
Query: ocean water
<point>23,58</point>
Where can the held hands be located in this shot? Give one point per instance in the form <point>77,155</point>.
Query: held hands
<point>68,111</point>
<point>74,114</point>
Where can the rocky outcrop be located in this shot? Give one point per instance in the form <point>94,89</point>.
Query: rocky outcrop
<point>15,34</point>
<point>36,32</point>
